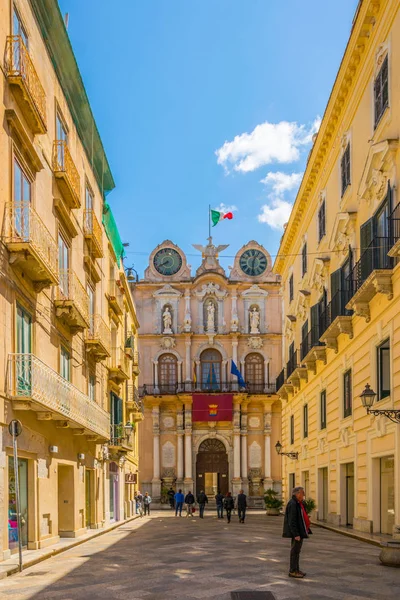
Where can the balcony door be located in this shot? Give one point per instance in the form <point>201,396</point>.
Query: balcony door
<point>90,293</point>
<point>211,367</point>
<point>63,264</point>
<point>254,372</point>
<point>62,136</point>
<point>22,199</point>
<point>24,349</point>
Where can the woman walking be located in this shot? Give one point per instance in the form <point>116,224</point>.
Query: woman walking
<point>229,505</point>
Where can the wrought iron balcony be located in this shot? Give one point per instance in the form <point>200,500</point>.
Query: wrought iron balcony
<point>119,367</point>
<point>119,438</point>
<point>115,297</point>
<point>134,403</point>
<point>188,387</point>
<point>336,319</point>
<point>67,174</point>
<point>72,301</point>
<point>93,233</point>
<point>32,385</point>
<point>280,380</point>
<point>292,364</point>
<point>98,338</point>
<point>28,90</point>
<point>309,343</point>
<point>372,274</point>
<point>31,246</point>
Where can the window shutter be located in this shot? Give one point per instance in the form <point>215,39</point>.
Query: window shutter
<point>335,295</point>
<point>384,85</point>
<point>366,238</point>
<point>314,324</point>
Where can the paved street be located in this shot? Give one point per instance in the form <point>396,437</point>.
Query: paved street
<point>163,558</point>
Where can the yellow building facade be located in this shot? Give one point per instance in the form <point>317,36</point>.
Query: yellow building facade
<point>68,329</point>
<point>339,263</point>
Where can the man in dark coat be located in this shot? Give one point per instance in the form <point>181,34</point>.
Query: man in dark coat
<point>171,496</point>
<point>296,526</point>
<point>189,501</point>
<point>202,500</point>
<point>241,505</point>
<point>219,499</point>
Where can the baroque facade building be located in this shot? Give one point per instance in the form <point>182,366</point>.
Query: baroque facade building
<point>339,263</point>
<point>68,324</point>
<point>203,429</point>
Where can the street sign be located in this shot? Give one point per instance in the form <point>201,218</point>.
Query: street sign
<point>15,428</point>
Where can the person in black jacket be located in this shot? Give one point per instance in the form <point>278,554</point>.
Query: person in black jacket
<point>241,503</point>
<point>296,526</point>
<point>219,499</point>
<point>229,505</point>
<point>202,500</point>
<point>189,501</point>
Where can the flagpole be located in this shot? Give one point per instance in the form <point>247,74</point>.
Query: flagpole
<point>209,220</point>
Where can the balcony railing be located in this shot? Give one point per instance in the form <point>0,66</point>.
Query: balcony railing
<point>292,363</point>
<point>375,257</point>
<point>310,341</point>
<point>280,380</point>
<point>119,436</point>
<point>29,379</point>
<point>21,72</point>
<point>134,398</point>
<point>26,234</point>
<point>72,300</point>
<point>66,172</point>
<point>394,225</point>
<point>115,297</point>
<point>98,336</point>
<point>93,233</point>
<point>335,308</point>
<point>188,387</point>
<point>119,368</point>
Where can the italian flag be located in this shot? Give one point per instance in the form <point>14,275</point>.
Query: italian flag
<point>217,216</point>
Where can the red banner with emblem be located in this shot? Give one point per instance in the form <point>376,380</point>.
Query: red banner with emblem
<point>212,407</point>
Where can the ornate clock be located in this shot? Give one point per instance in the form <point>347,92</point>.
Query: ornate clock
<point>167,261</point>
<point>253,262</point>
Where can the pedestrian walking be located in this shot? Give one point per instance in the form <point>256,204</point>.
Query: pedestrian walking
<point>171,496</point>
<point>296,526</point>
<point>241,504</point>
<point>219,499</point>
<point>146,503</point>
<point>139,503</point>
<point>229,505</point>
<point>202,500</point>
<point>189,501</point>
<point>179,500</point>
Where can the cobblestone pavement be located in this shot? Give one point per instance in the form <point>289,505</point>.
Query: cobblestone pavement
<point>163,558</point>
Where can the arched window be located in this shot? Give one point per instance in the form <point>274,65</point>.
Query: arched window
<point>210,316</point>
<point>254,372</point>
<point>167,373</point>
<point>211,368</point>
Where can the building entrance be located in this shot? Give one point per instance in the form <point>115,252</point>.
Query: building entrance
<point>212,468</point>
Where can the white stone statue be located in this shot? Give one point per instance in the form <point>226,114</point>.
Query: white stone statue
<point>167,319</point>
<point>210,316</point>
<point>254,321</point>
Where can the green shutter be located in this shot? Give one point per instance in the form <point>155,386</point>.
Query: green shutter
<point>366,260</point>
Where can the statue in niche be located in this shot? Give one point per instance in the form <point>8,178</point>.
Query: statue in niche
<point>167,319</point>
<point>254,321</point>
<point>210,316</point>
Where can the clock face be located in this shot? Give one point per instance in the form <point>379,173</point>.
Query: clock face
<point>167,261</point>
<point>253,262</point>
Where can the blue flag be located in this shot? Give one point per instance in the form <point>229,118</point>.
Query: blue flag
<point>235,371</point>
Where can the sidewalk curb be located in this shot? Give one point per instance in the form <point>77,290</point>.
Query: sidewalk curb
<point>34,561</point>
<point>350,534</point>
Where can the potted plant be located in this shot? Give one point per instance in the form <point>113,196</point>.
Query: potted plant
<point>273,504</point>
<point>310,505</point>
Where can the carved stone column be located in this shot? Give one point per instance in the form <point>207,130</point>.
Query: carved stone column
<point>156,388</point>
<point>234,315</point>
<point>266,373</point>
<point>235,342</point>
<point>156,481</point>
<point>267,449</point>
<point>188,483</point>
<point>179,375</point>
<point>236,481</point>
<point>198,375</point>
<point>243,435</point>
<point>188,362</point>
<point>188,318</point>
<point>179,433</point>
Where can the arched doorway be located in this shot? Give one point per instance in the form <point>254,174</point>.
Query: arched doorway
<point>211,368</point>
<point>212,468</point>
<point>254,372</point>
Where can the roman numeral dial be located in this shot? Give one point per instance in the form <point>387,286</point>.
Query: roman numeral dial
<point>253,262</point>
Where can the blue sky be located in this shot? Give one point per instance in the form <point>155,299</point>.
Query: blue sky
<point>204,102</point>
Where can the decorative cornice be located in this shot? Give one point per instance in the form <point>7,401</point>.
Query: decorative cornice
<point>361,38</point>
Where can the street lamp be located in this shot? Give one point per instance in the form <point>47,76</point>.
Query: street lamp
<point>128,428</point>
<point>368,398</point>
<point>292,455</point>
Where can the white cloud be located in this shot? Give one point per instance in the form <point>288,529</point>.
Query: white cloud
<point>282,182</point>
<point>275,214</point>
<point>226,208</point>
<point>267,143</point>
